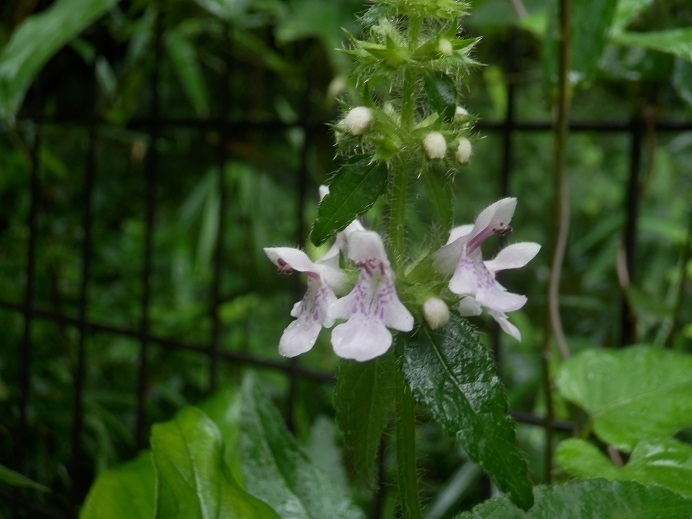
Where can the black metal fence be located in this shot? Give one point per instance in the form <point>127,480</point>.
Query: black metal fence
<point>29,309</point>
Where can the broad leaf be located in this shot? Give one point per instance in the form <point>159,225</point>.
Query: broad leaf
<point>454,377</point>
<point>591,499</point>
<point>278,471</point>
<point>192,480</point>
<point>442,94</point>
<point>630,394</point>
<point>354,189</point>
<point>36,40</point>
<point>126,490</point>
<point>664,462</point>
<point>364,401</point>
<point>673,41</point>
<point>626,11</point>
<point>590,23</point>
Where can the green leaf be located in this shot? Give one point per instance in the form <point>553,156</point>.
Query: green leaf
<point>15,479</point>
<point>454,377</point>
<point>192,480</point>
<point>664,462</point>
<point>440,196</point>
<point>354,189</point>
<point>626,11</point>
<point>591,499</point>
<point>36,40</point>
<point>630,394</point>
<point>672,41</point>
<point>126,490</point>
<point>590,23</point>
<point>364,401</point>
<point>442,94</point>
<point>186,66</point>
<point>278,471</point>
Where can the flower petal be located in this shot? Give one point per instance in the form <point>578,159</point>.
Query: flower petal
<point>506,326</point>
<point>498,299</point>
<point>513,256</point>
<point>501,211</point>
<point>294,258</point>
<point>468,306</point>
<point>460,232</point>
<point>396,316</point>
<point>465,278</point>
<point>363,245</point>
<point>446,259</point>
<point>361,339</point>
<point>299,337</point>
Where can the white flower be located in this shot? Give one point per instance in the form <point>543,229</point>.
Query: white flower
<point>435,145</point>
<point>436,312</point>
<point>474,278</point>
<point>357,121</point>
<point>460,112</point>
<point>311,313</point>
<point>464,149</point>
<point>372,306</point>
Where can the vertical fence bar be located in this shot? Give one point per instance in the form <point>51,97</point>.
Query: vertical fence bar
<point>151,166</point>
<point>25,356</point>
<point>628,324</point>
<point>222,157</point>
<point>77,463</point>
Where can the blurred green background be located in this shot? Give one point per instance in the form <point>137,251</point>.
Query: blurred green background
<point>202,128</point>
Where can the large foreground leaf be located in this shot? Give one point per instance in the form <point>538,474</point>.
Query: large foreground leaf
<point>354,189</point>
<point>123,491</point>
<point>278,471</point>
<point>38,38</point>
<point>664,462</point>
<point>591,499</point>
<point>630,394</point>
<point>364,401</point>
<point>672,41</point>
<point>453,376</point>
<point>192,480</point>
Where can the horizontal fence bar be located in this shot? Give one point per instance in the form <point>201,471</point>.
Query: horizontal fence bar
<point>248,360</point>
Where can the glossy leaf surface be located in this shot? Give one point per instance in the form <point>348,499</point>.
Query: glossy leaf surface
<point>36,40</point>
<point>630,394</point>
<point>364,401</point>
<point>192,480</point>
<point>454,377</point>
<point>354,189</point>
<point>591,499</point>
<point>665,462</point>
<point>126,490</point>
<point>278,471</point>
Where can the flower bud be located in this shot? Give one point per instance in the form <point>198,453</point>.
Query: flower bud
<point>445,47</point>
<point>463,150</point>
<point>435,145</point>
<point>436,312</point>
<point>460,112</point>
<point>357,121</point>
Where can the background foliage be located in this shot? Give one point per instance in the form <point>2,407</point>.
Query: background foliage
<point>270,68</point>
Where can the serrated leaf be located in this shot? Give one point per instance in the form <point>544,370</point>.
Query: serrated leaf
<point>630,394</point>
<point>591,499</point>
<point>278,471</point>
<point>454,377</point>
<point>672,41</point>
<point>664,462</point>
<point>36,40</point>
<point>590,21</point>
<point>364,401</point>
<point>442,94</point>
<point>126,490</point>
<point>192,480</point>
<point>354,189</point>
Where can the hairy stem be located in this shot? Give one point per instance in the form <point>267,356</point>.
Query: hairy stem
<point>406,451</point>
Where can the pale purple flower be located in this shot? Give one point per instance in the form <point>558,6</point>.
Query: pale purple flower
<point>311,312</point>
<point>372,306</point>
<point>473,278</point>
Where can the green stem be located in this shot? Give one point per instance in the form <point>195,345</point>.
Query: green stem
<point>405,405</point>
<point>406,451</point>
